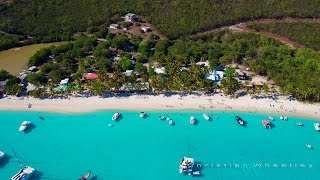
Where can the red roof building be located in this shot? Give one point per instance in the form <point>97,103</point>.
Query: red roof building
<point>90,76</point>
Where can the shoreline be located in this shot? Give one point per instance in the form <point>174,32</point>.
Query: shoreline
<point>281,106</point>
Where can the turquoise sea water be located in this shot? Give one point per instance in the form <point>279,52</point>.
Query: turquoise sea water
<point>65,146</point>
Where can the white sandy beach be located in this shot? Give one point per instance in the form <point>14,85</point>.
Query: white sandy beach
<point>282,106</point>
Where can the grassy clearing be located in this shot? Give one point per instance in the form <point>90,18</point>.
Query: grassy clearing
<point>15,60</point>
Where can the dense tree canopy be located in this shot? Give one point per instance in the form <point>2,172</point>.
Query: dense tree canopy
<point>8,41</point>
<point>297,72</point>
<point>4,75</point>
<point>13,87</point>
<point>51,20</point>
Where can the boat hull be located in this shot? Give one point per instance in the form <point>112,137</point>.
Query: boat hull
<point>206,117</point>
<point>24,174</point>
<point>24,125</point>
<point>86,176</point>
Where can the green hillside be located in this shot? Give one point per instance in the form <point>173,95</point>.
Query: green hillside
<point>305,33</point>
<point>173,18</point>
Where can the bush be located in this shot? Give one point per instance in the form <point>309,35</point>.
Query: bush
<point>37,78</point>
<point>40,57</point>
<point>37,93</point>
<point>12,87</point>
<point>4,75</point>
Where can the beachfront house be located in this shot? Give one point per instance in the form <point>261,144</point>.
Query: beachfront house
<point>64,82</point>
<point>32,69</point>
<point>215,75</point>
<point>3,83</point>
<point>31,87</point>
<point>62,86</point>
<point>130,17</point>
<point>23,78</point>
<point>90,76</point>
<point>242,76</point>
<point>114,26</point>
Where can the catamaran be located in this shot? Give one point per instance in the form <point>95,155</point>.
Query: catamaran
<point>192,120</point>
<point>240,120</point>
<point>24,174</point>
<point>142,114</point>
<point>86,176</point>
<point>115,116</point>
<point>317,126</point>
<point>24,125</point>
<point>206,117</point>
<point>285,118</point>
<point>187,166</point>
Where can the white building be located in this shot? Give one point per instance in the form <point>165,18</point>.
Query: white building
<point>114,26</point>
<point>145,29</point>
<point>64,82</point>
<point>130,17</point>
<point>161,70</point>
<point>215,76</point>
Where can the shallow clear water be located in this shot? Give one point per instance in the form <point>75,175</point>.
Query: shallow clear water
<point>65,146</point>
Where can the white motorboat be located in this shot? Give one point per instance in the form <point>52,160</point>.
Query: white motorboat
<point>24,125</point>
<point>1,154</point>
<point>206,117</point>
<point>285,118</point>
<point>168,118</point>
<point>161,117</point>
<point>309,146</point>
<point>186,165</point>
<point>300,124</point>
<point>170,122</point>
<point>24,174</point>
<point>240,120</point>
<point>142,114</point>
<point>317,126</point>
<point>271,118</point>
<point>115,116</point>
<point>192,120</point>
<point>196,173</point>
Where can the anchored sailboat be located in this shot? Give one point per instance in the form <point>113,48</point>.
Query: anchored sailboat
<point>188,165</point>
<point>24,173</point>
